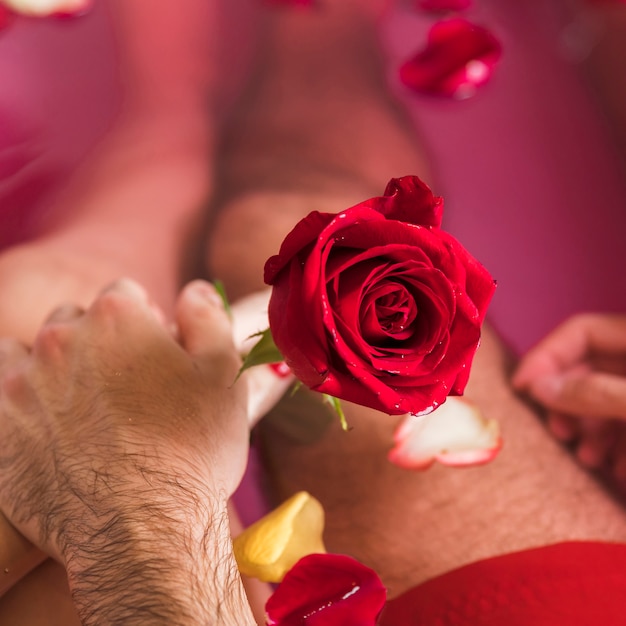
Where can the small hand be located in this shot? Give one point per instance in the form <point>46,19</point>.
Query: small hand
<point>578,373</point>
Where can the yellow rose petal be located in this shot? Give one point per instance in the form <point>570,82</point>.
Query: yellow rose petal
<point>269,548</point>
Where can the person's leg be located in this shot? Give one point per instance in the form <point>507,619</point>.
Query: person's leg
<point>412,526</point>
<point>319,132</point>
<point>128,209</point>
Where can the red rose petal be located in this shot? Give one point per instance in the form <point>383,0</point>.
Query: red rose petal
<point>6,17</point>
<point>303,3</point>
<point>458,58</point>
<point>440,6</point>
<point>327,590</point>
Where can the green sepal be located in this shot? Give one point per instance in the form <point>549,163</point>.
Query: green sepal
<point>336,404</point>
<point>263,352</point>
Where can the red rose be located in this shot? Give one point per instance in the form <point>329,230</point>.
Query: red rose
<point>377,305</point>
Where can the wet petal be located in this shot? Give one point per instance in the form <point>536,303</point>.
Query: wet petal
<point>327,590</point>
<point>270,547</point>
<point>458,58</point>
<point>454,434</point>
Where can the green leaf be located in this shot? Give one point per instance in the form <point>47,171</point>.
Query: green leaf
<point>264,351</point>
<point>336,404</point>
<point>221,291</point>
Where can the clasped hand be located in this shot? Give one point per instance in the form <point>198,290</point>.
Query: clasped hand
<point>108,411</point>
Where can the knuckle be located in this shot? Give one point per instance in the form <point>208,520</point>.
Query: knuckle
<point>110,305</point>
<point>52,340</point>
<point>13,384</point>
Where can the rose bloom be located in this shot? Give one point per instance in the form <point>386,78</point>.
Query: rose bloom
<point>377,305</point>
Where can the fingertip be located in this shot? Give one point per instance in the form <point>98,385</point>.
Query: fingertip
<point>201,293</point>
<point>547,389</point>
<point>590,454</point>
<point>203,324</point>
<point>561,427</point>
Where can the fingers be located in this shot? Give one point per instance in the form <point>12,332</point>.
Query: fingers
<point>65,313</point>
<point>594,394</point>
<point>11,353</point>
<point>203,324</point>
<point>570,343</point>
<point>114,300</point>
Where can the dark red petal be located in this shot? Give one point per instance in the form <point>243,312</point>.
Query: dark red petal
<point>6,17</point>
<point>409,199</point>
<point>327,590</point>
<point>440,6</point>
<point>304,233</point>
<point>304,3</point>
<point>458,58</point>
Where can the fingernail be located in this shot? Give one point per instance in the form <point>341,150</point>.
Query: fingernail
<point>206,292</point>
<point>547,388</point>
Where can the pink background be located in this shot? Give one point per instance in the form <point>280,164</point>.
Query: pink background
<point>531,181</point>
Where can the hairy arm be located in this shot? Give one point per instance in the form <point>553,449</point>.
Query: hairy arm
<point>120,450</point>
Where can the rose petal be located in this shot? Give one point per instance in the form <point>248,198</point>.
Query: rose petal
<point>440,6</point>
<point>270,547</point>
<point>455,434</point>
<point>43,8</point>
<point>303,3</point>
<point>327,590</point>
<point>410,200</point>
<point>266,383</point>
<point>458,58</point>
<point>6,17</point>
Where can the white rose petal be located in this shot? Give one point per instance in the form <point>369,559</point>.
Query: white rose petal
<point>454,434</point>
<point>41,8</point>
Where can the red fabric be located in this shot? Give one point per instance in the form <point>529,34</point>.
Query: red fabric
<point>567,584</point>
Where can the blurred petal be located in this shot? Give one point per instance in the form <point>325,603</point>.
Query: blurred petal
<point>270,547</point>
<point>6,17</point>
<point>303,3</point>
<point>440,6</point>
<point>43,8</point>
<point>458,58</point>
<point>327,590</point>
<point>454,434</point>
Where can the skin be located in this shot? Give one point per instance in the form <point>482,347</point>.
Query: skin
<point>408,526</point>
<point>577,374</point>
<point>126,481</point>
<point>275,170</point>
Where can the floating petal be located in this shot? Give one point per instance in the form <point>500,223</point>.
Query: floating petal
<point>458,58</point>
<point>454,434</point>
<point>440,6</point>
<point>327,590</point>
<point>43,8</point>
<point>269,548</point>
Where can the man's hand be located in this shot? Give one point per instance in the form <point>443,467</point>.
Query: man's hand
<point>120,448</point>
